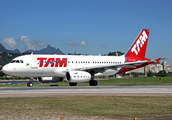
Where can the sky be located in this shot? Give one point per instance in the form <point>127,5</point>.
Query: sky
<point>86,26</point>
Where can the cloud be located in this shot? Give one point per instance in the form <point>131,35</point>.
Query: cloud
<point>83,43</point>
<point>41,43</point>
<point>29,44</point>
<point>72,44</point>
<point>102,45</point>
<point>10,42</point>
<point>32,44</point>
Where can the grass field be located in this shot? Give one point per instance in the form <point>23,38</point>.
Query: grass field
<point>124,81</point>
<point>138,81</point>
<point>108,107</point>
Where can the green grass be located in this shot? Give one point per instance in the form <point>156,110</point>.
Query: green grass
<point>106,106</point>
<point>125,81</point>
<point>109,107</point>
<point>138,81</point>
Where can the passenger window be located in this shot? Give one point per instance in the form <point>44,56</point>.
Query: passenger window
<point>17,61</point>
<point>21,61</point>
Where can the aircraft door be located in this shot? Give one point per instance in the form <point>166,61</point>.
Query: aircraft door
<point>34,63</point>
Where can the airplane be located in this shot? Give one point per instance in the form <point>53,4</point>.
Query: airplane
<point>79,68</point>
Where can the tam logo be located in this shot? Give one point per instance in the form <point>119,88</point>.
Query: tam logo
<point>139,43</point>
<point>55,62</point>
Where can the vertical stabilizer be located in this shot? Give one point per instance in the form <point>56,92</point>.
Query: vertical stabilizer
<point>138,48</point>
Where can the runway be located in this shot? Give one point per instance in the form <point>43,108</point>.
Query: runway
<point>55,91</point>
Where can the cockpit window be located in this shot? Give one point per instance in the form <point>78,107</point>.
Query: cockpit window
<point>13,61</point>
<point>17,61</point>
<point>21,61</point>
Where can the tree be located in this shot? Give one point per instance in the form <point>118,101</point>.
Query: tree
<point>162,73</point>
<point>1,73</point>
<point>118,53</point>
<point>135,75</point>
<point>150,74</point>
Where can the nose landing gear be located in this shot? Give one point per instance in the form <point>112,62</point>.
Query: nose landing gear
<point>30,84</point>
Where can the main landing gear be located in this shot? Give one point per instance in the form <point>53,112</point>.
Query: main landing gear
<point>93,83</point>
<point>73,84</point>
<point>30,84</point>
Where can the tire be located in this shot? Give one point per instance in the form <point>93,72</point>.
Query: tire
<point>93,83</point>
<point>73,84</point>
<point>29,84</point>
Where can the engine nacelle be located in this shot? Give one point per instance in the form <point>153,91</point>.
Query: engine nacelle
<point>78,76</point>
<point>50,79</point>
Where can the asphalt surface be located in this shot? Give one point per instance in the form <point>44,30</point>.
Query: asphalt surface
<point>52,91</point>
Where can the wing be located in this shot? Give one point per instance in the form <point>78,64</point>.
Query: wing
<point>115,66</point>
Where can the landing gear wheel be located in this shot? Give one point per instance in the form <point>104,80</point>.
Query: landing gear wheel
<point>29,84</point>
<point>93,83</point>
<point>72,84</point>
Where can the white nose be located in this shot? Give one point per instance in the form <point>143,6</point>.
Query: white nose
<point>5,69</point>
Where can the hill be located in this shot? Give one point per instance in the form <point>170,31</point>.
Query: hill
<point>47,50</point>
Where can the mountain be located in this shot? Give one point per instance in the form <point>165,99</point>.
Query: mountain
<point>3,49</point>
<point>16,51</point>
<point>47,50</point>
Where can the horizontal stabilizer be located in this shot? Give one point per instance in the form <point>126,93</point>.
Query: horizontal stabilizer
<point>164,58</point>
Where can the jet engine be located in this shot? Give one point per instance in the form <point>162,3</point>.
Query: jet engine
<point>50,79</point>
<point>77,76</point>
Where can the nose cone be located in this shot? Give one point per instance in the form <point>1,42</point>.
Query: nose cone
<point>5,69</point>
<point>12,69</point>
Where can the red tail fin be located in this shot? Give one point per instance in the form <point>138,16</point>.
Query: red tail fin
<point>138,48</point>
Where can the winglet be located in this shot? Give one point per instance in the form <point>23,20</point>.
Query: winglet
<point>158,60</point>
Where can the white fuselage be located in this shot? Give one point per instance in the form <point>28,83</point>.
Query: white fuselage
<point>58,65</point>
